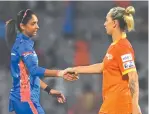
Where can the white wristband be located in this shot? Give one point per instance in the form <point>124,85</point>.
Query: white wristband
<point>60,73</point>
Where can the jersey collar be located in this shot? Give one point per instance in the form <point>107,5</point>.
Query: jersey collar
<point>123,37</point>
<point>21,35</point>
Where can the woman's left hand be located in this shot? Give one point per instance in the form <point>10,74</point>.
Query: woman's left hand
<point>60,97</point>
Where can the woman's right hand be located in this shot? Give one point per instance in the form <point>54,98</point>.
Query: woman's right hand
<point>69,74</point>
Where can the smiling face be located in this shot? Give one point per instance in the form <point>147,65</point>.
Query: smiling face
<point>30,29</point>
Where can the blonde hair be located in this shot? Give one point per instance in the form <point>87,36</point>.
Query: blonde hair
<point>124,16</point>
<point>128,17</point>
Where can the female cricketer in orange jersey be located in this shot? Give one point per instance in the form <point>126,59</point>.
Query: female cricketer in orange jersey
<point>120,78</point>
<point>25,93</point>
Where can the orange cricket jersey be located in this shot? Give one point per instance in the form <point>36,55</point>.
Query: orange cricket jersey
<point>118,61</point>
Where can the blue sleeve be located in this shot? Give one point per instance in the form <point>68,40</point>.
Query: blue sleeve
<point>30,59</point>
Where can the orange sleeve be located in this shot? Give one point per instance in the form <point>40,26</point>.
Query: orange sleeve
<point>125,59</point>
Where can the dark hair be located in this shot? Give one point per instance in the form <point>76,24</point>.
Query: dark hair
<point>13,26</point>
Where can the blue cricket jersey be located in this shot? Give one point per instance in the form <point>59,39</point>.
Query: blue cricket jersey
<point>25,71</point>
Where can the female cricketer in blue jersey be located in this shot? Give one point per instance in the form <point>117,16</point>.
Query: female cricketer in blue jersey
<point>25,72</point>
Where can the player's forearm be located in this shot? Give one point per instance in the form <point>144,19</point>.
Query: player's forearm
<point>51,73</point>
<point>95,68</point>
<point>134,88</point>
<point>135,99</point>
<point>43,85</point>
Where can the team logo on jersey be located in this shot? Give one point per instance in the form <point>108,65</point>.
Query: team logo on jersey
<point>109,56</point>
<point>126,57</point>
<point>129,64</point>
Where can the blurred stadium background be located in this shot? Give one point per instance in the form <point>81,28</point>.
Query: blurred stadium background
<point>71,34</point>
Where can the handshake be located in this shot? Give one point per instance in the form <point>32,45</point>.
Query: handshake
<point>68,74</point>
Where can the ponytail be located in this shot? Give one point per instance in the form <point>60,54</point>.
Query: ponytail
<point>13,26</point>
<point>128,17</point>
<point>11,33</point>
<point>124,16</point>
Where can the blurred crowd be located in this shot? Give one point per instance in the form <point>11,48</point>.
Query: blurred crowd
<point>72,34</point>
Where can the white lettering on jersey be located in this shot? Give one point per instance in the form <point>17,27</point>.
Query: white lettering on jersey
<point>27,53</point>
<point>109,56</point>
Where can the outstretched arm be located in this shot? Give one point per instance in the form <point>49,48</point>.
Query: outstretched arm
<point>91,69</point>
<point>29,61</point>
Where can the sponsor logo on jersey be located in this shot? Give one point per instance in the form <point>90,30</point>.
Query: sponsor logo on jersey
<point>129,64</point>
<point>126,57</point>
